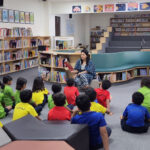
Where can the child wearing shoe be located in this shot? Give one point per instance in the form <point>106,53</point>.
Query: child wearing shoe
<point>59,112</point>
<point>71,93</point>
<point>135,117</point>
<point>103,95</point>
<point>24,108</point>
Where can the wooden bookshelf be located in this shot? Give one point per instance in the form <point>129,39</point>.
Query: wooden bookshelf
<point>20,53</point>
<point>95,35</point>
<point>131,26</point>
<point>51,66</point>
<point>124,75</point>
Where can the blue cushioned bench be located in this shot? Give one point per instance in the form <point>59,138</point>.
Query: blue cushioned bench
<point>113,62</point>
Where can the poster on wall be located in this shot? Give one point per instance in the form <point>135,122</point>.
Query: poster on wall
<point>120,7</point>
<point>109,8</point>
<point>145,6</point>
<point>76,9</point>
<point>16,13</point>
<point>5,15</point>
<point>133,6</point>
<point>70,27</point>
<point>87,9</point>
<point>0,15</point>
<point>22,18</point>
<point>98,8</point>
<point>31,17</point>
<point>27,17</point>
<point>11,16</point>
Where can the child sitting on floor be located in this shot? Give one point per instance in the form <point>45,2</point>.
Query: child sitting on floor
<point>40,94</point>
<point>96,122</point>
<point>59,112</point>
<point>71,93</point>
<point>8,98</point>
<point>135,117</point>
<point>20,86</point>
<point>103,95</point>
<point>24,108</point>
<point>91,93</point>
<point>145,90</point>
<point>56,88</point>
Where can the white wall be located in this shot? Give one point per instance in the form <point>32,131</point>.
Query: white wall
<point>40,9</point>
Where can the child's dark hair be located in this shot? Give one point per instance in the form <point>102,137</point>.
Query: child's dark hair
<point>137,98</point>
<point>56,88</point>
<point>91,93</point>
<point>26,96</point>
<point>38,84</point>
<point>20,83</point>
<point>145,82</point>
<point>83,102</point>
<point>70,82</point>
<point>59,99</point>
<point>87,54</point>
<point>6,79</point>
<point>106,84</point>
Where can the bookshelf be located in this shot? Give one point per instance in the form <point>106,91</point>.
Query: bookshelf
<point>52,65</point>
<point>135,25</point>
<point>19,53</point>
<point>95,35</point>
<point>124,75</point>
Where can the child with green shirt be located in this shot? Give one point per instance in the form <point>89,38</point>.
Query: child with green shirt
<point>56,88</point>
<point>8,92</point>
<point>20,86</point>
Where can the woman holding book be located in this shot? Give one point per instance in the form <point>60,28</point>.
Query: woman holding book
<point>84,70</point>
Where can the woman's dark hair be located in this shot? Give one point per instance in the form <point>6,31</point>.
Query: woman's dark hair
<point>20,83</point>
<point>87,54</point>
<point>38,84</point>
<point>145,82</point>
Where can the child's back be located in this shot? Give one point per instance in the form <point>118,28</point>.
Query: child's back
<point>71,92</point>
<point>24,108</point>
<point>2,110</point>
<point>59,112</point>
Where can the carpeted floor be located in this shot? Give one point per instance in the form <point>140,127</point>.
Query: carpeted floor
<point>121,97</point>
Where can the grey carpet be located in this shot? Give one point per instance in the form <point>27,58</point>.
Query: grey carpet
<point>121,97</point>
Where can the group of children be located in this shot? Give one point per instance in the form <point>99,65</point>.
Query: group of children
<point>91,106</point>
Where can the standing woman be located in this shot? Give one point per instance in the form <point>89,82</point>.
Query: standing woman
<point>84,70</point>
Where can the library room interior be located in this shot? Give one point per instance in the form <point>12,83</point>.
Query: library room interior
<point>74,74</point>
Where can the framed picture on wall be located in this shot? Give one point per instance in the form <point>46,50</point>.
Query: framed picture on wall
<point>76,9</point>
<point>22,17</point>
<point>98,8</point>
<point>145,6</point>
<point>5,15</point>
<point>11,16</point>
<point>16,16</point>
<point>133,6</point>
<point>0,15</point>
<point>31,17</point>
<point>121,7</point>
<point>109,8</point>
<point>27,17</point>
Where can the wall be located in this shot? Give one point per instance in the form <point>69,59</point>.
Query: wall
<point>40,9</point>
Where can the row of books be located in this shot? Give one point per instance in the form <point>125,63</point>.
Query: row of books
<point>130,24</point>
<point>15,32</point>
<point>96,33</point>
<point>30,63</point>
<point>131,15</point>
<point>1,57</point>
<point>12,55</point>
<point>95,39</point>
<point>30,53</point>
<point>59,61</point>
<point>132,34</point>
<point>58,76</point>
<point>132,29</point>
<point>130,20</point>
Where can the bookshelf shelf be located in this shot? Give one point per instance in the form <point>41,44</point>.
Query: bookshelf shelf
<point>19,53</point>
<point>51,65</point>
<point>124,75</point>
<point>131,26</point>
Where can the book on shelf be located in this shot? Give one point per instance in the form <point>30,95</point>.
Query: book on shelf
<point>58,76</point>
<point>1,57</point>
<point>30,63</point>
<point>7,68</point>
<point>1,69</point>
<point>6,44</point>
<point>143,72</point>
<point>33,42</point>
<point>26,43</point>
<point>15,44</point>
<point>46,42</point>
